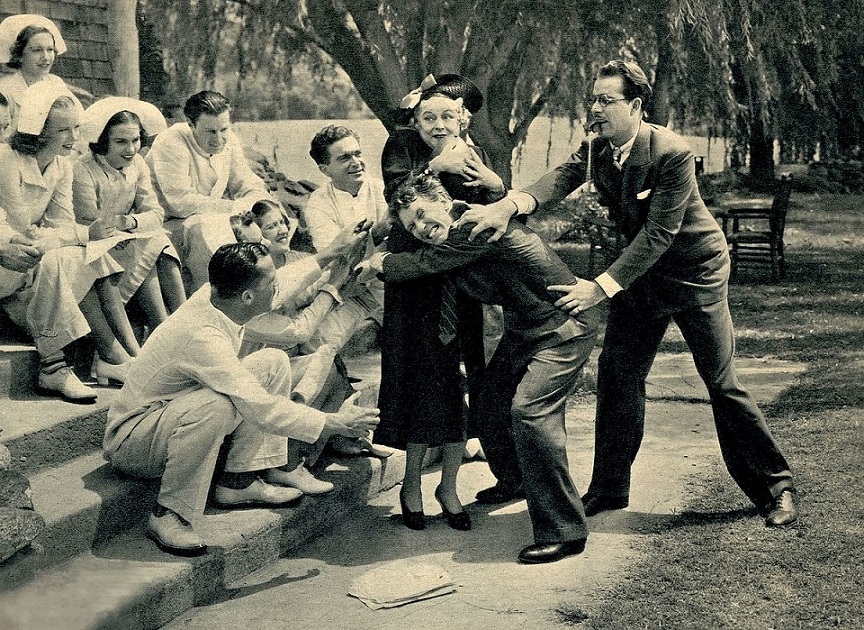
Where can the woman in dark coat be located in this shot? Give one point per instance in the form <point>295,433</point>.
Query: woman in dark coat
<point>422,395</point>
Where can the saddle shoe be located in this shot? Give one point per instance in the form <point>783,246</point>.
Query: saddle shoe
<point>174,535</point>
<point>540,553</point>
<point>782,510</point>
<point>256,494</point>
<point>65,384</point>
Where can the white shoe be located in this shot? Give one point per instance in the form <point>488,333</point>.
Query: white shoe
<point>65,384</point>
<point>174,535</point>
<point>105,372</point>
<point>257,494</point>
<point>299,478</point>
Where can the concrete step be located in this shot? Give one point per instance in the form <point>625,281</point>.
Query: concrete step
<point>19,365</point>
<point>42,432</point>
<point>96,569</point>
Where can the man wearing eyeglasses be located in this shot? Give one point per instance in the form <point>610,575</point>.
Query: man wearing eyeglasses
<point>675,267</point>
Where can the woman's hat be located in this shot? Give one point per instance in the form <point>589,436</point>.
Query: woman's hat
<point>36,103</point>
<point>99,113</point>
<point>12,26</point>
<point>451,85</point>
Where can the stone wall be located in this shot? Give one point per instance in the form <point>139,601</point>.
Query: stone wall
<point>84,25</point>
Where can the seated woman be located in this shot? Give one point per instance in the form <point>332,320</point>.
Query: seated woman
<point>112,192</point>
<point>62,298</point>
<point>29,43</point>
<point>312,321</point>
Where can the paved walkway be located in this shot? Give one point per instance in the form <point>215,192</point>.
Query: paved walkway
<point>309,589</point>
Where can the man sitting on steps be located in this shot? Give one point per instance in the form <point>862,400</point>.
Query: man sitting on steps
<point>187,390</point>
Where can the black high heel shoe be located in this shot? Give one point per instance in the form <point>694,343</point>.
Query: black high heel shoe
<point>456,520</point>
<point>412,520</point>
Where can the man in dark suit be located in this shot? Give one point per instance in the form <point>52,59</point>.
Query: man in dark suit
<point>536,363</point>
<point>675,266</point>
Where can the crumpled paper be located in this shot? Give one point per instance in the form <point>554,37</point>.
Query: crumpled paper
<point>399,583</point>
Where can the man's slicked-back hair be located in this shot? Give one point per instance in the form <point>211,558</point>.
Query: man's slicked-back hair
<point>331,134</point>
<point>206,102</point>
<point>636,83</point>
<point>234,268</point>
<point>402,192</point>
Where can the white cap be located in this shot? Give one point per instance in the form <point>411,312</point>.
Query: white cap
<point>36,102</point>
<point>14,24</point>
<point>99,113</point>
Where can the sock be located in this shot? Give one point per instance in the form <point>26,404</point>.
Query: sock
<point>50,365</point>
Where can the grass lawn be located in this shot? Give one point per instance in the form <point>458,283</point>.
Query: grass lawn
<point>711,567</point>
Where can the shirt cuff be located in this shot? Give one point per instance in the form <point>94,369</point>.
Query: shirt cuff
<point>332,292</point>
<point>608,284</point>
<point>525,203</point>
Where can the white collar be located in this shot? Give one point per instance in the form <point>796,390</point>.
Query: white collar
<point>627,146</point>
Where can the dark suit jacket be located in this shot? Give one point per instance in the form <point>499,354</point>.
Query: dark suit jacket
<point>512,272</point>
<point>676,254</point>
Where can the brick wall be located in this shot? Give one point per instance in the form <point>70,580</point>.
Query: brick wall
<point>84,25</point>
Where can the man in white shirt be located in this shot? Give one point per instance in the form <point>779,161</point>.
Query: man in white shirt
<point>349,197</point>
<point>187,390</point>
<point>202,177</point>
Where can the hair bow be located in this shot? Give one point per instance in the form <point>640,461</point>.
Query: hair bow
<point>411,99</point>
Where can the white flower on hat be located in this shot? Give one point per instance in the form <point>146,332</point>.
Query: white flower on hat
<point>36,103</point>
<point>14,24</point>
<point>99,113</point>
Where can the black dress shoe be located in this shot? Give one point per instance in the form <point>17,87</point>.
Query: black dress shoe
<point>412,520</point>
<point>594,504</point>
<point>782,511</point>
<point>456,520</point>
<point>501,493</point>
<point>539,553</point>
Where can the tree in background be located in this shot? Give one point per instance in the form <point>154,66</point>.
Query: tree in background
<point>745,69</point>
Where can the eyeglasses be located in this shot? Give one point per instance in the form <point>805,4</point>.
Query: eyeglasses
<point>602,100</point>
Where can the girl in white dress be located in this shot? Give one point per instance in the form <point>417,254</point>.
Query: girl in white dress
<point>112,185</point>
<point>66,295</point>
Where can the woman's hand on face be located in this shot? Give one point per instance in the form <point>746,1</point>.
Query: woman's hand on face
<point>452,156</point>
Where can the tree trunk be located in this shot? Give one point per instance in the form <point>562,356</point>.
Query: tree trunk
<point>761,152</point>
<point>663,74</point>
<point>123,43</point>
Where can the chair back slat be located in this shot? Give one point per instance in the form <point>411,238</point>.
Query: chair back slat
<point>780,206</point>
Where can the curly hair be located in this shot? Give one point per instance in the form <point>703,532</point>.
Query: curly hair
<point>329,135</point>
<point>402,192</point>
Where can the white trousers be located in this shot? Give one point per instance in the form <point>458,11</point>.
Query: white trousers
<point>181,441</point>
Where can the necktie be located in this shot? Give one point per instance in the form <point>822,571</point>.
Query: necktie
<point>447,321</point>
<point>616,157</point>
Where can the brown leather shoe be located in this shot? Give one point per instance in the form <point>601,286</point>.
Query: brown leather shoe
<point>782,511</point>
<point>539,553</point>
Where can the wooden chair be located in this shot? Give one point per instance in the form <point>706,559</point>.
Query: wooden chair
<point>757,247</point>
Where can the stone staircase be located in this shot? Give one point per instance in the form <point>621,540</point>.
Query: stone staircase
<point>92,566</point>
